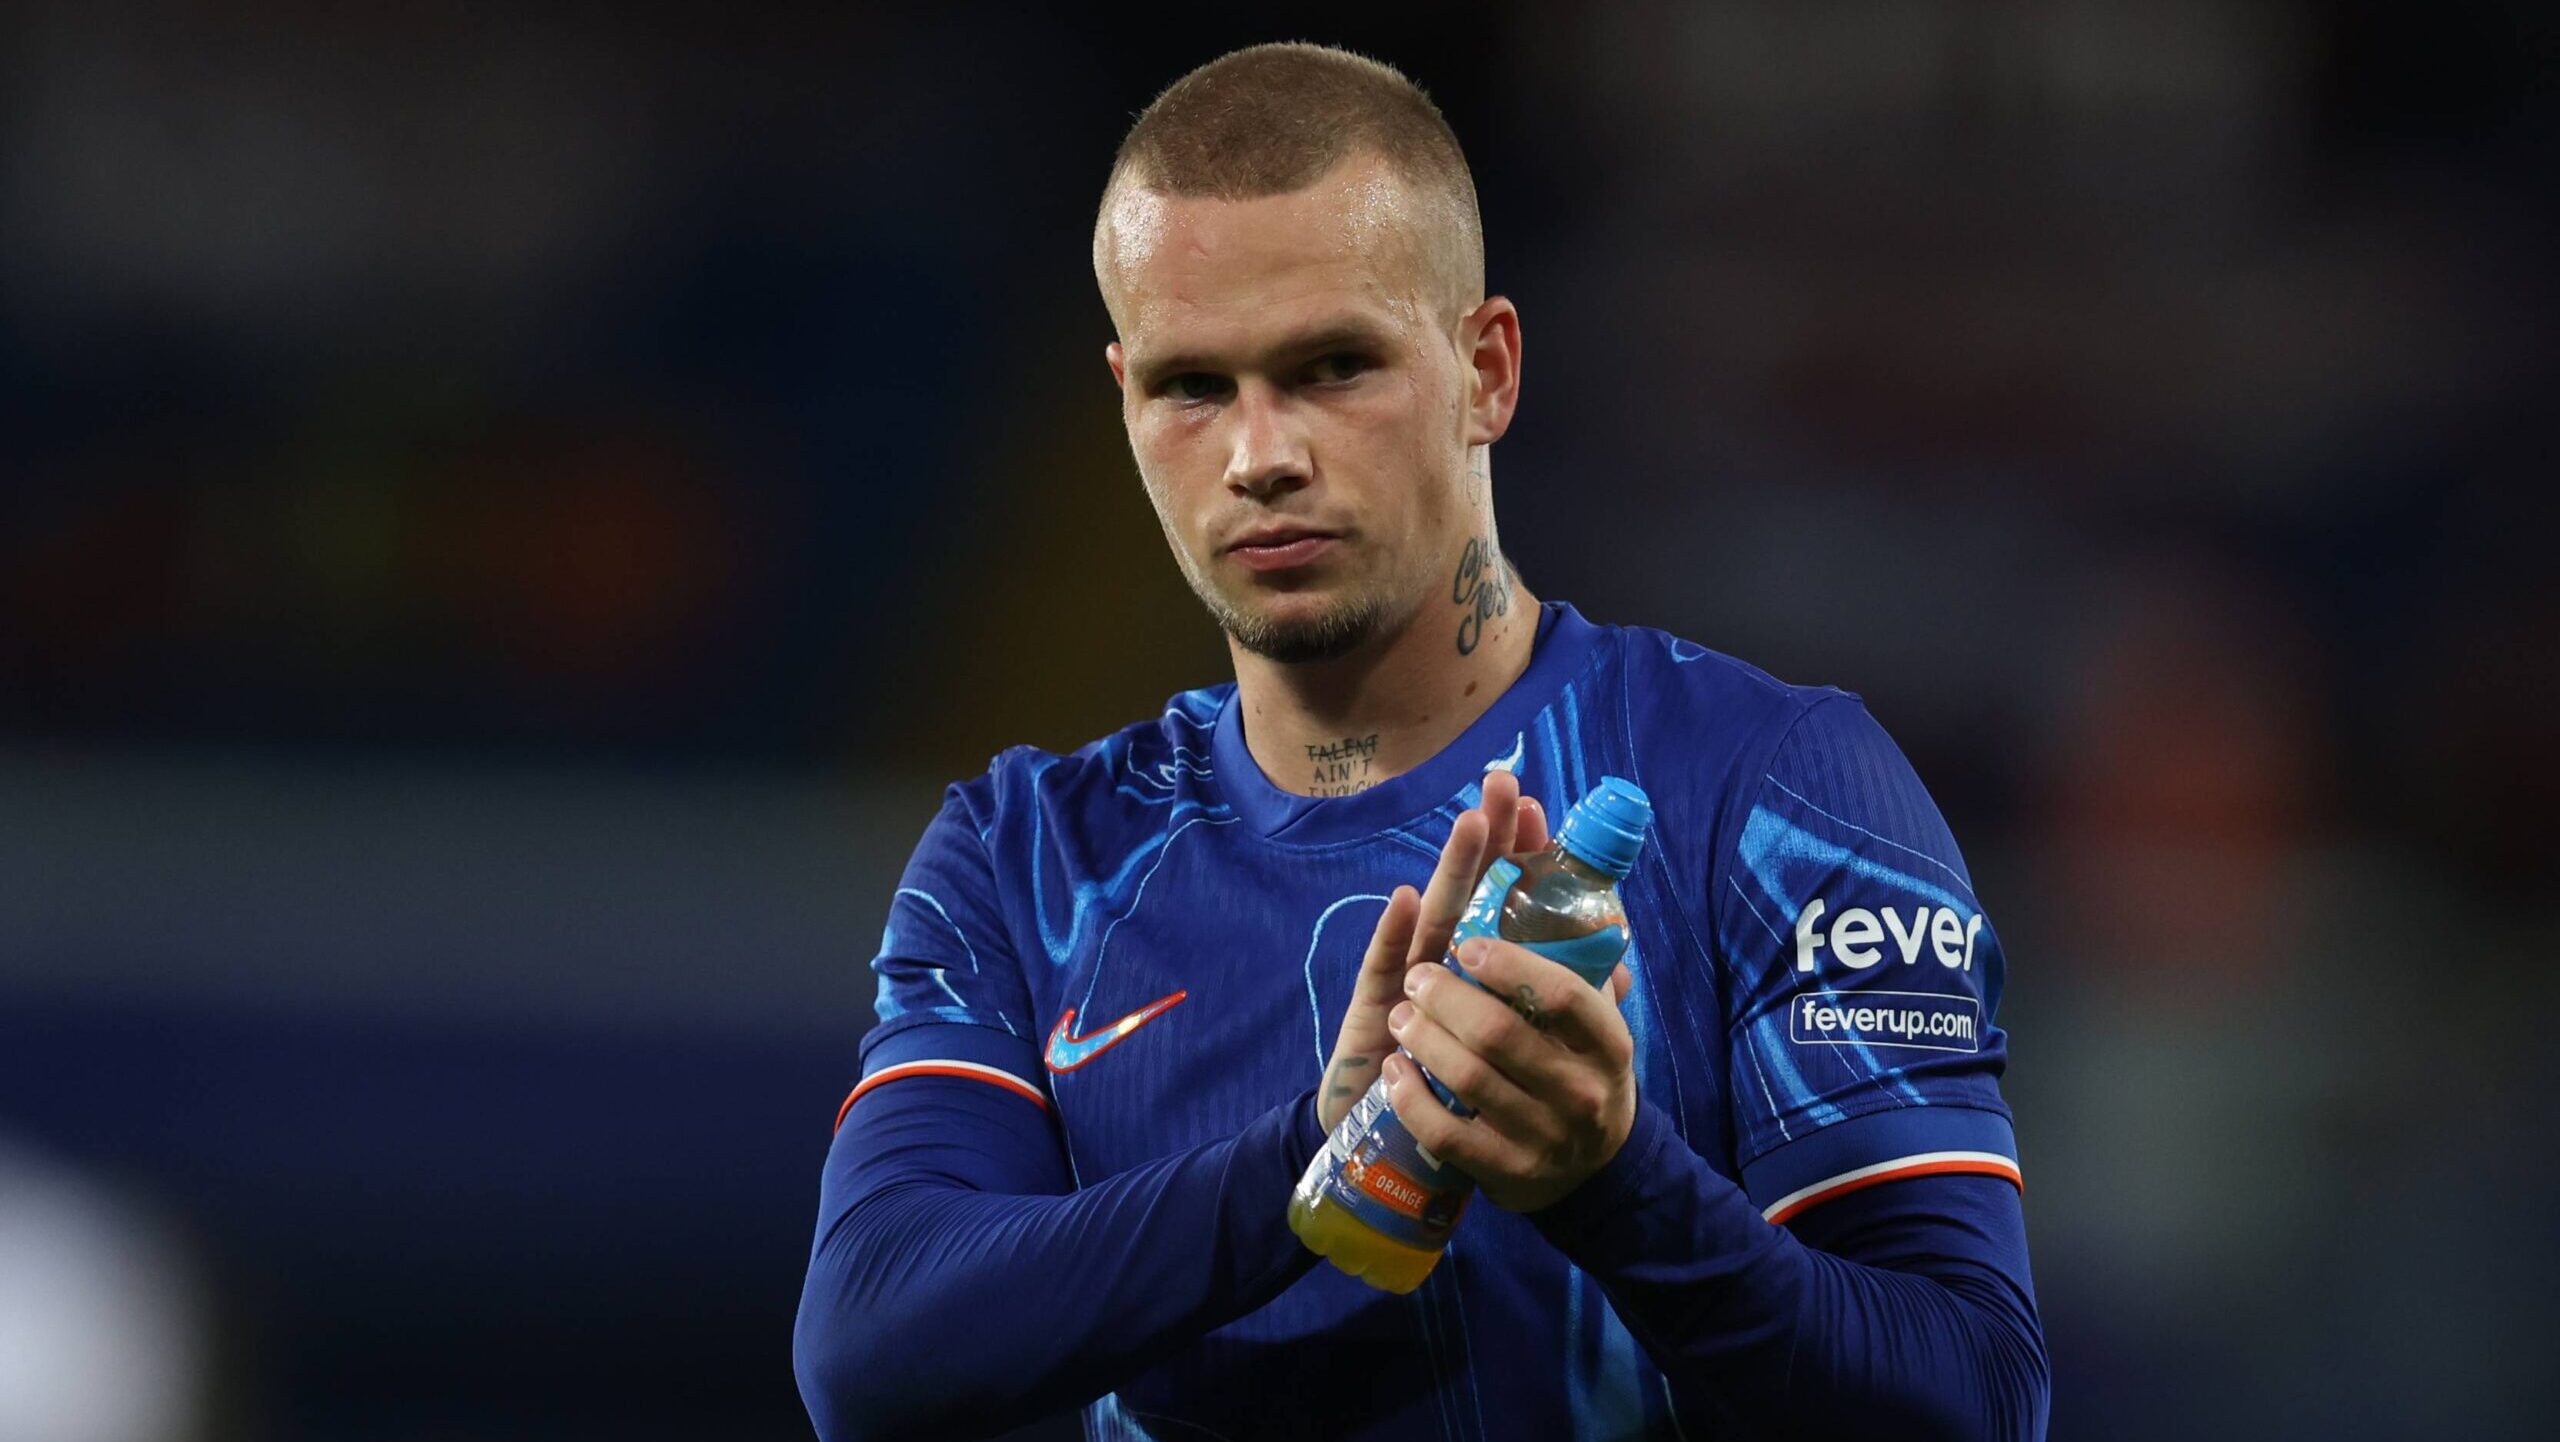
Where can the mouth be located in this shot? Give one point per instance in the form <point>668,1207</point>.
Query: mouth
<point>1281,548</point>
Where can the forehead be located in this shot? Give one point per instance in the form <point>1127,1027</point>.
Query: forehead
<point>1193,269</point>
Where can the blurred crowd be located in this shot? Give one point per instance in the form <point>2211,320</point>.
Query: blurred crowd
<point>508,517</point>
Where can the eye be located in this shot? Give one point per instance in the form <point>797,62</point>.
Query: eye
<point>1340,366</point>
<point>1195,386</point>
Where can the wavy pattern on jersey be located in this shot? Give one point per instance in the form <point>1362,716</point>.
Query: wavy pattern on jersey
<point>1156,780</point>
<point>1082,874</point>
<point>1138,892</point>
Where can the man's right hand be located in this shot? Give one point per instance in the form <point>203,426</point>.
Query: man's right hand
<point>1416,928</point>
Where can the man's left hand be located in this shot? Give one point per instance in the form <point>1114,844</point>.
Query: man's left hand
<point>1541,1054</point>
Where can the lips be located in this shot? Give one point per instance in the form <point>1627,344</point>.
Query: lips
<point>1278,535</point>
<point>1280,548</point>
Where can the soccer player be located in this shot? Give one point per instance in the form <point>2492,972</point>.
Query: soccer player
<point>1762,1185</point>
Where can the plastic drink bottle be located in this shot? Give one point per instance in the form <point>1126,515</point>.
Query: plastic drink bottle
<point>1375,1202</point>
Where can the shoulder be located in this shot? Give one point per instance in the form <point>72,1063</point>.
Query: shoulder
<point>1128,777</point>
<point>1700,716</point>
<point>1742,731</point>
<point>1716,740</point>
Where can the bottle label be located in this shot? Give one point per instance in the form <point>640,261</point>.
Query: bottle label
<point>1589,957</point>
<point>1374,1169</point>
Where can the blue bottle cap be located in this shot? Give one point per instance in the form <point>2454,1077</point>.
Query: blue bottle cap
<point>1606,828</point>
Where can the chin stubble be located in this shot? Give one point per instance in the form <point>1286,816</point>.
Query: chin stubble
<point>1337,631</point>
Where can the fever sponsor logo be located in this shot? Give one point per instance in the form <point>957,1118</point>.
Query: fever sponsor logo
<point>1886,1018</point>
<point>1859,935</point>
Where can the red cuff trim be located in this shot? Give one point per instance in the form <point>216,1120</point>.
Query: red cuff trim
<point>974,1071</point>
<point>1925,1164</point>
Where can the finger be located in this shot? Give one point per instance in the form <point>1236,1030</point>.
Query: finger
<point>1479,1082</point>
<point>1381,978</point>
<point>1621,981</point>
<point>1501,808</point>
<point>1472,1147</point>
<point>1529,833</point>
<point>1551,999</point>
<point>1504,1030</point>
<point>1444,901</point>
<point>1362,1038</point>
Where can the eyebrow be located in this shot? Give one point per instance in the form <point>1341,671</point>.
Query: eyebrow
<point>1340,334</point>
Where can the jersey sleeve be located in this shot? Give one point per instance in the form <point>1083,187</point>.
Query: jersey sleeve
<point>1865,975</point>
<point>951,999</point>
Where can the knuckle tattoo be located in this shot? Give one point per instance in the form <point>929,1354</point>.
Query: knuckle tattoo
<point>1524,1000</point>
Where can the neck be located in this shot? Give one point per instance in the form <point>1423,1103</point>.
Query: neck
<point>1331,728</point>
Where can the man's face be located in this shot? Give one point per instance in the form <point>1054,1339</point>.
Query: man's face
<point>1295,381</point>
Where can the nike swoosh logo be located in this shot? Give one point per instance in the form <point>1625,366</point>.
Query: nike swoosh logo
<point>1067,1052</point>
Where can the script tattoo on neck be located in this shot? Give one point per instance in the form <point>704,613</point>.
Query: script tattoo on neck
<point>1481,589</point>
<point>1344,766</point>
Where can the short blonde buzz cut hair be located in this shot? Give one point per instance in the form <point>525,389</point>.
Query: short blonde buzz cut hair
<point>1271,119</point>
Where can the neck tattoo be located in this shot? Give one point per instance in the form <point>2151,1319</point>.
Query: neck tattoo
<point>1344,766</point>
<point>1481,590</point>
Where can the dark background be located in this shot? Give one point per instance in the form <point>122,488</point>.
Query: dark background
<point>509,515</point>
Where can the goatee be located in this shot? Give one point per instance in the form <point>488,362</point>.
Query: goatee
<point>1337,631</point>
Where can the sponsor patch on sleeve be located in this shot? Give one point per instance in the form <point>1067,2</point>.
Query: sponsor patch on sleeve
<point>1927,1021</point>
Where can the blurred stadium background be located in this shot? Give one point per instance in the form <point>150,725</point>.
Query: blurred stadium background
<point>512,513</point>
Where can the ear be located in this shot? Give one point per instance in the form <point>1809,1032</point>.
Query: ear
<point>1491,335</point>
<point>1119,367</point>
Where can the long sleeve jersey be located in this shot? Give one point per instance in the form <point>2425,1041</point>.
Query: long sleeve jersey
<point>1814,1227</point>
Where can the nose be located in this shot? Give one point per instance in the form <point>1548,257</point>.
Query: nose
<point>1268,454</point>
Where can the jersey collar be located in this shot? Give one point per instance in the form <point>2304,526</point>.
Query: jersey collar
<point>1563,643</point>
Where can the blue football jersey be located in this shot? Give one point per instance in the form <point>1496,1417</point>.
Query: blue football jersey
<point>1155,943</point>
